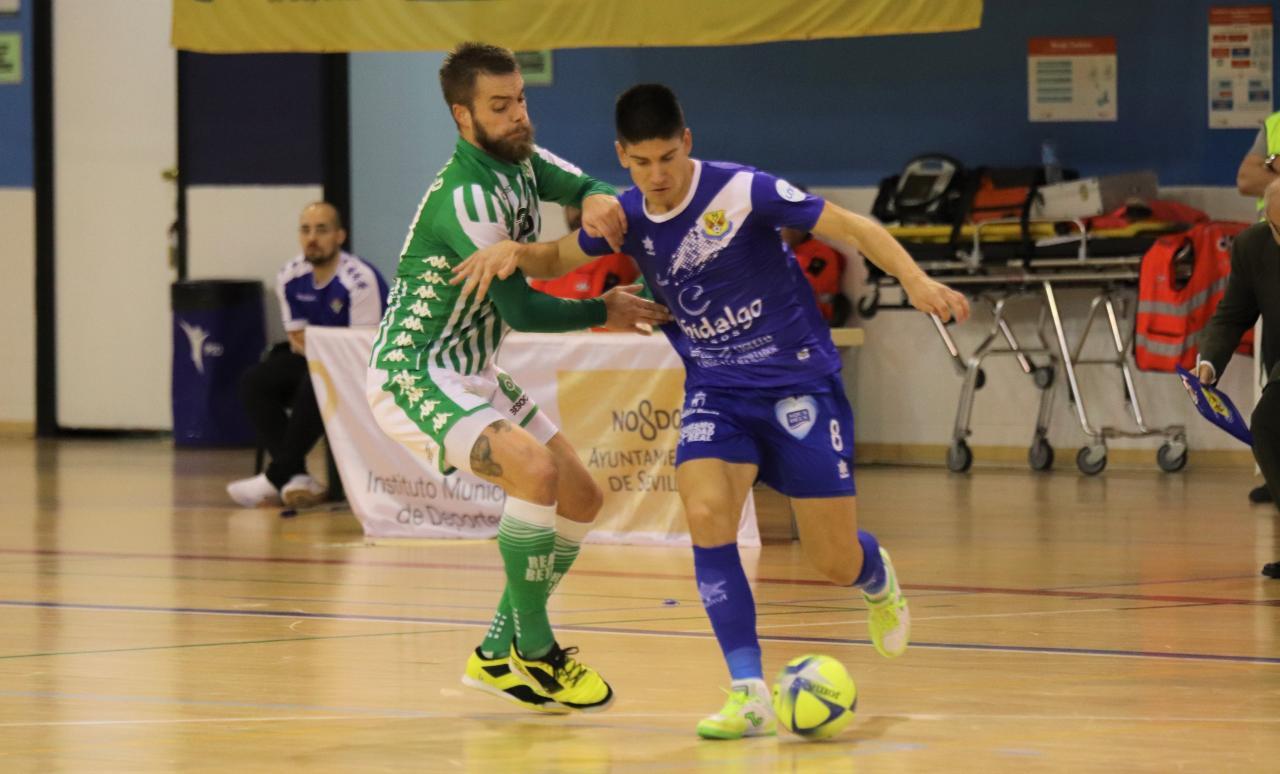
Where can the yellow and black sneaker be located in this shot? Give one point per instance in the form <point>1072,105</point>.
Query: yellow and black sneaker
<point>494,677</point>
<point>569,682</point>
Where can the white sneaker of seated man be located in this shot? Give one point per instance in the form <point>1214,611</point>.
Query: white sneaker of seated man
<point>303,491</point>
<point>254,492</point>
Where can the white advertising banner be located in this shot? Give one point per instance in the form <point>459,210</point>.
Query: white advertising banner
<point>1239,66</point>
<point>393,493</point>
<point>616,398</point>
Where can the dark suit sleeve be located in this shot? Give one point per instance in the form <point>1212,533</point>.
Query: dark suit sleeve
<point>1237,312</point>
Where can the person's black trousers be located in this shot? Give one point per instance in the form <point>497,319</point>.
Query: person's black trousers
<point>1265,425</point>
<point>281,404</point>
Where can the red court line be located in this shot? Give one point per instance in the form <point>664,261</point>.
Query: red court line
<point>1064,593</point>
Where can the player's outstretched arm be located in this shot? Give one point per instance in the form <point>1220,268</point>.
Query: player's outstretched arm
<point>539,260</point>
<point>526,309</point>
<point>604,218</point>
<point>838,225</point>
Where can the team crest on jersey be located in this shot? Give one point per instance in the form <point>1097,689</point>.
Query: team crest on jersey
<point>336,305</point>
<point>715,223</point>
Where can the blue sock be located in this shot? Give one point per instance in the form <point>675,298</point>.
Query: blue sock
<point>727,598</point>
<point>871,578</point>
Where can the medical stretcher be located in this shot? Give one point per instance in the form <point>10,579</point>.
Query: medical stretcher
<point>1001,263</point>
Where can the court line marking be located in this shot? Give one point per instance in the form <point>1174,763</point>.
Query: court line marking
<point>560,592</point>
<point>653,603</point>
<point>589,629</point>
<point>497,568</point>
<point>916,619</point>
<point>176,721</point>
<point>302,638</point>
<point>221,703</point>
<point>372,713</point>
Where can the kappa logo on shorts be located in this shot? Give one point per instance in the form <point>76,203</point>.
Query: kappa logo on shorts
<point>797,414</point>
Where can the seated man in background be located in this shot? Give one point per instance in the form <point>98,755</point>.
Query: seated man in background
<point>1253,290</point>
<point>593,279</point>
<point>323,286</point>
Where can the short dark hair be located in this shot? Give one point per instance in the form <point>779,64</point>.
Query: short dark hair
<point>464,63</point>
<point>333,210</point>
<point>648,111</point>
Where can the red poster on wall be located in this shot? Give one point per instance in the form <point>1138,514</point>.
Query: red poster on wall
<point>1240,88</point>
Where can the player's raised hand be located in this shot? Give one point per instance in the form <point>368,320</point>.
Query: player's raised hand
<point>478,271</point>
<point>602,216</point>
<point>629,313</point>
<point>932,297</point>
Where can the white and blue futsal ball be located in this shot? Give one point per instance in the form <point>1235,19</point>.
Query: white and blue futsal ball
<point>814,697</point>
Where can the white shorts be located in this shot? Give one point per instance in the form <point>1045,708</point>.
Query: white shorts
<point>439,409</point>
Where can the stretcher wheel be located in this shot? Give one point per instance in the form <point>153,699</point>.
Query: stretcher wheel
<point>1172,456</point>
<point>1040,456</point>
<point>868,306</point>
<point>1043,377</point>
<point>959,457</point>
<point>1090,460</point>
<point>981,381</point>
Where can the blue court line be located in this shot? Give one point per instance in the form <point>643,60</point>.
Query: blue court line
<point>497,568</point>
<point>1030,649</point>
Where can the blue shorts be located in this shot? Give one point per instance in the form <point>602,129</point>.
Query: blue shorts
<point>801,436</point>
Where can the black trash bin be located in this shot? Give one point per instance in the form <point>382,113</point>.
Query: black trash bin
<point>219,332</point>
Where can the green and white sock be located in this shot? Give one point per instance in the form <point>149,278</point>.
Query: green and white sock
<point>569,536</point>
<point>526,540</point>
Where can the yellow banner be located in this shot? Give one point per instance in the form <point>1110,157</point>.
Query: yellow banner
<point>318,26</point>
<point>625,425</point>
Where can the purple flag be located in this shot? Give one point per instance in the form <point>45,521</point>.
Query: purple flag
<point>1215,406</point>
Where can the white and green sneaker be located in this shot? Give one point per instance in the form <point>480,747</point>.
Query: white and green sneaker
<point>747,712</point>
<point>890,620</point>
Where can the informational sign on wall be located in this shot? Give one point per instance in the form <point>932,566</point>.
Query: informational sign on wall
<point>1240,88</point>
<point>535,66</point>
<point>1071,79</point>
<point>10,57</point>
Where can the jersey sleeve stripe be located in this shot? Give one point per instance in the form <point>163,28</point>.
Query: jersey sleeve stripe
<point>498,213</point>
<point>463,206</point>
<point>478,204</point>
<point>552,158</point>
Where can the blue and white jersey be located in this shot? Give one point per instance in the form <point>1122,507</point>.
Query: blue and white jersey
<point>356,294</point>
<point>745,314</point>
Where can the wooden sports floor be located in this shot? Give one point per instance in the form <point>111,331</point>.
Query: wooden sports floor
<point>1062,623</point>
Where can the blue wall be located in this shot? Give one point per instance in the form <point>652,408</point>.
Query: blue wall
<point>401,134</point>
<point>848,112</point>
<point>252,119</point>
<point>16,132</point>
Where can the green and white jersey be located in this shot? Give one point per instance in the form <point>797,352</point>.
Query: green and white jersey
<point>475,201</point>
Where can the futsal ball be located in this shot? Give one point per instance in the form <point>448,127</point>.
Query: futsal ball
<point>814,697</point>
